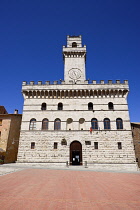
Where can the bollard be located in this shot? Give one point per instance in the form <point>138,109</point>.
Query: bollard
<point>85,164</point>
<point>67,164</point>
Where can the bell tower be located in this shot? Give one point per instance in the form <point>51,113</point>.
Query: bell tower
<point>74,55</point>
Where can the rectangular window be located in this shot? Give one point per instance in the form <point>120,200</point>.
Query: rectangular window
<point>87,142</point>
<point>0,134</point>
<point>119,145</point>
<point>32,145</point>
<point>0,122</point>
<point>55,145</point>
<point>95,145</point>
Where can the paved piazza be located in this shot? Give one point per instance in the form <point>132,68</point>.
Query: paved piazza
<point>53,189</point>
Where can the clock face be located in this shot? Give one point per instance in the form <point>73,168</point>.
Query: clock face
<point>74,73</point>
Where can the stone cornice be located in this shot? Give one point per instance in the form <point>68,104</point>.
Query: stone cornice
<point>75,93</point>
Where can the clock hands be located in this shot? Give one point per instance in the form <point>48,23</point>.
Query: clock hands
<point>75,73</point>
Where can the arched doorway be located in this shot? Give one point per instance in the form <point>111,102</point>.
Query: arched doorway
<point>75,153</point>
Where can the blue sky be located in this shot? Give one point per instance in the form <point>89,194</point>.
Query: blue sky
<point>32,33</point>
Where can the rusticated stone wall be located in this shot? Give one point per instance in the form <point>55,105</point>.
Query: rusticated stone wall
<point>107,151</point>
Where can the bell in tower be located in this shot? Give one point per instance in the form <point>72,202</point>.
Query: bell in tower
<point>74,55</point>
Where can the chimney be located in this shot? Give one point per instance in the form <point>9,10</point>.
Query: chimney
<point>16,111</point>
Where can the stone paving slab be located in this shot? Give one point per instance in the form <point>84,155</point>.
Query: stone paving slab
<point>7,170</point>
<point>69,190</point>
<point>20,166</point>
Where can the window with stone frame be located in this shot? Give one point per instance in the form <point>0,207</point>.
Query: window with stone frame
<point>43,106</point>
<point>94,124</point>
<point>32,124</point>
<point>57,124</point>
<point>60,106</point>
<point>32,145</point>
<point>90,106</point>
<point>107,124</point>
<point>45,123</point>
<point>0,122</point>
<point>119,145</point>
<point>95,145</point>
<point>119,123</point>
<point>110,106</point>
<point>55,145</point>
<point>87,142</point>
<point>74,44</point>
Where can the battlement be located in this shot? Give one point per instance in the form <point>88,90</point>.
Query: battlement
<point>61,82</point>
<point>73,36</point>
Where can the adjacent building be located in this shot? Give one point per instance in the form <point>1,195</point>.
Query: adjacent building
<point>9,135</point>
<point>77,121</point>
<point>136,140</point>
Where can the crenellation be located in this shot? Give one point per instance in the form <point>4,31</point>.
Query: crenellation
<point>55,82</point>
<point>62,82</point>
<point>102,82</point>
<point>24,83</point>
<point>47,82</point>
<point>32,83</point>
<point>39,82</point>
<point>94,82</point>
<point>110,82</point>
<point>117,81</point>
<point>126,82</point>
<point>74,82</point>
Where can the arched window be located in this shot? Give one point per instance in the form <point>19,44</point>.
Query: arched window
<point>32,125</point>
<point>94,124</point>
<point>90,106</point>
<point>43,106</point>
<point>110,106</point>
<point>45,123</point>
<point>119,123</point>
<point>60,106</point>
<point>106,123</point>
<point>74,44</point>
<point>57,124</point>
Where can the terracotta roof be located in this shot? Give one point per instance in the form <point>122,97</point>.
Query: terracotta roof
<point>138,123</point>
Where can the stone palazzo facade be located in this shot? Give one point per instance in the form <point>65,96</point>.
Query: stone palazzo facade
<point>76,121</point>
